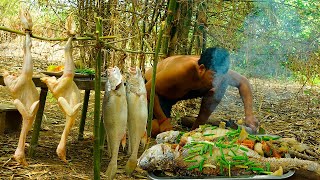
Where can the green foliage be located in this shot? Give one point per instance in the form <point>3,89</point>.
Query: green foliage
<point>85,71</point>
<point>9,9</point>
<point>262,35</point>
<point>275,31</point>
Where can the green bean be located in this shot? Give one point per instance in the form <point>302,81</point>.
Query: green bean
<point>191,160</point>
<point>196,149</point>
<point>210,149</point>
<point>268,166</point>
<point>201,164</point>
<point>221,152</point>
<point>179,137</point>
<point>256,169</point>
<point>239,158</point>
<point>191,156</point>
<point>248,163</point>
<point>253,137</point>
<point>221,145</point>
<point>206,147</point>
<point>244,149</point>
<point>213,127</point>
<point>233,152</point>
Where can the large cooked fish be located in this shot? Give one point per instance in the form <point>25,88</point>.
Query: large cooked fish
<point>214,151</point>
<point>137,115</point>
<point>114,116</point>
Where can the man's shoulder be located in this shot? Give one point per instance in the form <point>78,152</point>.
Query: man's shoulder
<point>184,61</point>
<point>182,58</point>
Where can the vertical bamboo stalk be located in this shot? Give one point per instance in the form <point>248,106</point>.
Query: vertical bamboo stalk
<point>81,12</point>
<point>141,57</point>
<point>194,34</point>
<point>184,26</point>
<point>134,30</point>
<point>173,42</point>
<point>171,12</point>
<point>153,82</point>
<point>97,88</point>
<point>202,20</point>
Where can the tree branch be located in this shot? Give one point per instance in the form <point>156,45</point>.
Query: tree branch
<point>54,39</point>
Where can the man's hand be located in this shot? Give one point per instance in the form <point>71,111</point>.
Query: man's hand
<point>159,126</point>
<point>155,128</point>
<point>165,125</point>
<point>252,122</point>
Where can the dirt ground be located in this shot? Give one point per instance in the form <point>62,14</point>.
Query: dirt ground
<point>283,108</point>
<point>280,107</point>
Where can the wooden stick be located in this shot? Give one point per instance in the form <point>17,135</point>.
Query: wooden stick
<point>54,39</point>
<point>97,87</point>
<point>153,82</point>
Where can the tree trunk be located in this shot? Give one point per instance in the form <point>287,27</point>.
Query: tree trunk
<point>184,26</point>
<point>167,32</point>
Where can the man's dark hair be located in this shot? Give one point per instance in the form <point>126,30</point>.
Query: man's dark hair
<point>216,59</point>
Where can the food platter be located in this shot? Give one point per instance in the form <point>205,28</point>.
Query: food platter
<point>159,176</point>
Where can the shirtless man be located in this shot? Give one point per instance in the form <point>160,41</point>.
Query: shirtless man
<point>184,77</point>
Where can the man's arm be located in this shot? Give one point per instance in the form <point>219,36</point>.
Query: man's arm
<point>242,83</point>
<point>205,110</point>
<point>210,101</point>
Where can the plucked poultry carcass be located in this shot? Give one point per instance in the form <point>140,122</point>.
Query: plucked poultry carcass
<point>23,90</point>
<point>212,151</point>
<point>115,113</point>
<point>65,90</point>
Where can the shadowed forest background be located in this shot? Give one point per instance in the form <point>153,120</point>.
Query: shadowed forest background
<point>274,43</point>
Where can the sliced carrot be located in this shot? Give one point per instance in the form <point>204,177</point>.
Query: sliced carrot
<point>276,154</point>
<point>248,143</point>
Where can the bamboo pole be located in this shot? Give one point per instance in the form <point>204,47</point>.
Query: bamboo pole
<point>97,88</point>
<point>153,82</point>
<point>171,12</point>
<point>107,45</point>
<point>55,39</point>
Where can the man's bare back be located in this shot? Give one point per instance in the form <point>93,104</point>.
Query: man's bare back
<point>178,75</point>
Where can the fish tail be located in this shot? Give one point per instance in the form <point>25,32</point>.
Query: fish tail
<point>124,141</point>
<point>111,170</point>
<point>144,139</point>
<point>131,166</point>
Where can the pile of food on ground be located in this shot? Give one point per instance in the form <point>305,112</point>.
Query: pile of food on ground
<point>214,151</point>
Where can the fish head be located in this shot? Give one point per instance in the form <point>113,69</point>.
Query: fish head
<point>135,82</point>
<point>159,156</point>
<point>114,78</point>
<point>168,137</point>
<point>133,75</point>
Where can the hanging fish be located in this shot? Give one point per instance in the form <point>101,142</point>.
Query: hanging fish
<point>115,113</point>
<point>137,115</point>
